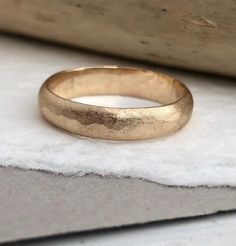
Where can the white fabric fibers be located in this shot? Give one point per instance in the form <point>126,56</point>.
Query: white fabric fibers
<point>202,153</point>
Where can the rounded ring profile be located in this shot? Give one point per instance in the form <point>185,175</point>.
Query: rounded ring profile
<point>115,123</point>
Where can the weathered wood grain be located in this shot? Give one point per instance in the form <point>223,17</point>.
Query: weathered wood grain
<point>199,35</point>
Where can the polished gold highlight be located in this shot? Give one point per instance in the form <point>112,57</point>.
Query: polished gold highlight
<point>115,123</point>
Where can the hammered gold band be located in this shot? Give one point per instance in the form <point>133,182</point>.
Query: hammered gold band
<point>115,123</point>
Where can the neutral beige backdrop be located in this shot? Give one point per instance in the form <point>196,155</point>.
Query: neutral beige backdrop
<point>199,34</point>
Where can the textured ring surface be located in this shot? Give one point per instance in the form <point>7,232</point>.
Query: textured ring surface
<point>115,123</point>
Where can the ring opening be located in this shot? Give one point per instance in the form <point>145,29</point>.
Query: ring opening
<point>117,81</point>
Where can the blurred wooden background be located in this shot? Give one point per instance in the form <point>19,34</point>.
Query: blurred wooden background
<point>198,35</point>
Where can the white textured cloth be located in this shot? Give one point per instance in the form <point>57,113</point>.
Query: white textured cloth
<point>202,153</point>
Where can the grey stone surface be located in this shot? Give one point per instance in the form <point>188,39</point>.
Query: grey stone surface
<point>35,204</point>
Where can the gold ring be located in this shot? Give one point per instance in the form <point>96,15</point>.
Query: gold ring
<point>115,123</point>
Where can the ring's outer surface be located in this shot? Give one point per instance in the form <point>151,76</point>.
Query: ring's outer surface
<point>115,123</point>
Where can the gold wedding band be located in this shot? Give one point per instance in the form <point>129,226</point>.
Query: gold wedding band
<point>115,123</point>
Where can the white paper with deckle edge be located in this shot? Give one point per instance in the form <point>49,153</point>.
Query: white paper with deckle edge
<point>202,153</point>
